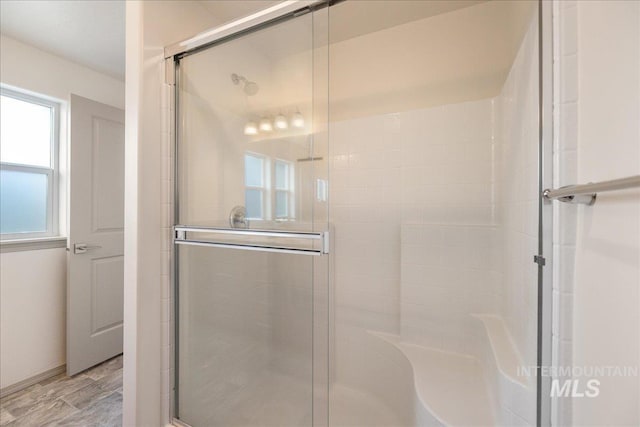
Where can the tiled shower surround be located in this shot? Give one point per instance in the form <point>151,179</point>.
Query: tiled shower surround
<point>435,219</point>
<point>414,194</point>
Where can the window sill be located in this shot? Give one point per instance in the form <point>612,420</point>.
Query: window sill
<point>18,245</point>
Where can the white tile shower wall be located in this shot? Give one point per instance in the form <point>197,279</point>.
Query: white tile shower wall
<point>516,186</point>
<point>365,193</point>
<point>449,254</point>
<point>421,189</point>
<point>474,255</point>
<point>365,179</point>
<point>426,175</point>
<point>565,173</point>
<point>448,273</point>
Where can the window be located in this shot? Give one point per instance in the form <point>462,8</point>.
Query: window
<point>283,199</point>
<point>28,166</point>
<point>268,188</point>
<point>255,183</point>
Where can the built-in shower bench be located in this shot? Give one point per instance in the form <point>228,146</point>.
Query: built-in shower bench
<point>513,389</point>
<point>449,387</point>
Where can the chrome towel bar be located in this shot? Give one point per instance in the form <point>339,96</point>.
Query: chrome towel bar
<point>180,238</point>
<point>586,193</point>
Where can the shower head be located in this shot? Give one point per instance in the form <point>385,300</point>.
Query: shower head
<point>250,88</point>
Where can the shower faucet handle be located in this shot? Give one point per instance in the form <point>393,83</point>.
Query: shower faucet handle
<point>237,217</point>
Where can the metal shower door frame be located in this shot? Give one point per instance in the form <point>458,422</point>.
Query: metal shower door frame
<point>544,257</point>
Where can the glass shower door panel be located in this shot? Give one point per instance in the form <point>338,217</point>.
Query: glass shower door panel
<point>247,129</point>
<point>251,268</point>
<point>245,338</point>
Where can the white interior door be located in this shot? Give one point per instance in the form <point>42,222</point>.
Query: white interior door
<point>96,234</point>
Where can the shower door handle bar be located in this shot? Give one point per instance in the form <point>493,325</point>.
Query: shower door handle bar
<point>586,193</point>
<point>257,233</point>
<point>257,248</point>
<point>180,237</point>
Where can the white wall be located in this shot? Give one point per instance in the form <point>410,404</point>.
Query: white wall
<point>597,248</point>
<point>32,313</point>
<point>606,312</point>
<point>23,66</point>
<point>38,295</point>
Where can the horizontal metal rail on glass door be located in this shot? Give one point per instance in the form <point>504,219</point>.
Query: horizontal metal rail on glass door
<point>181,237</point>
<point>586,193</point>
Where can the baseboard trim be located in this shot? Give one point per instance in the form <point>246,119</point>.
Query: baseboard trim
<point>21,385</point>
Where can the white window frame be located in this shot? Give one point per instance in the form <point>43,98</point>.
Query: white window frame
<point>52,172</point>
<point>290,190</point>
<point>264,189</point>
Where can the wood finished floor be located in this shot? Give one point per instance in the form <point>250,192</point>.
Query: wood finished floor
<point>91,398</point>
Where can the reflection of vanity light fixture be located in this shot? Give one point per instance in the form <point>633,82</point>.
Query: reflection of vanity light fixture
<point>280,122</point>
<point>265,125</point>
<point>297,121</point>
<point>251,128</point>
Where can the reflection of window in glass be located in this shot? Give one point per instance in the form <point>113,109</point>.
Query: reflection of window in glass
<point>28,174</point>
<point>255,186</point>
<point>283,199</point>
<point>269,188</point>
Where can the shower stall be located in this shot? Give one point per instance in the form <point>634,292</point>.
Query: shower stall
<point>359,230</point>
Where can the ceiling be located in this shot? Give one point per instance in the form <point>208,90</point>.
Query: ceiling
<point>426,42</point>
<point>346,18</point>
<point>405,55</point>
<point>455,56</point>
<point>90,33</point>
<point>228,10</point>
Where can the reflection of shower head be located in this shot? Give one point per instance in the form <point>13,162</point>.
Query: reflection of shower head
<point>250,88</point>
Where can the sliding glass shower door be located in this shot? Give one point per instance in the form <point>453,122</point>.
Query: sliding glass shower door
<point>252,234</point>
<point>435,157</point>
